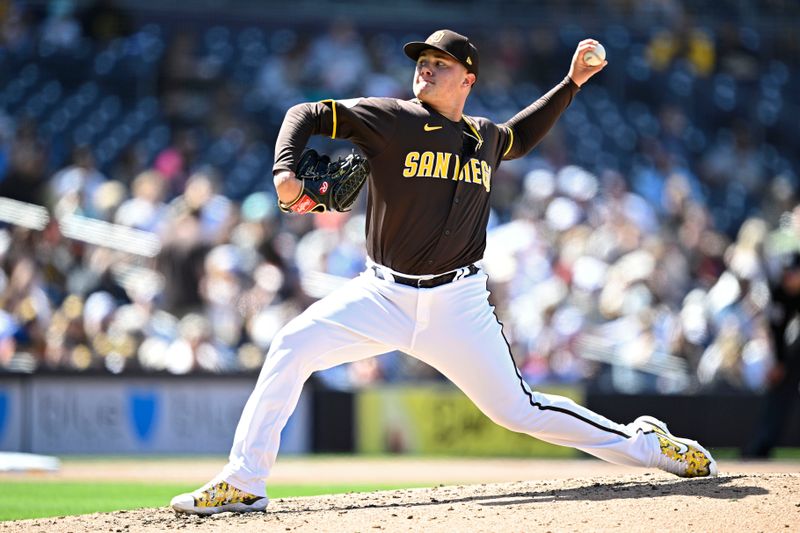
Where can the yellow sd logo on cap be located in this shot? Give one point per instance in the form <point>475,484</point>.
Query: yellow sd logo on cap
<point>436,37</point>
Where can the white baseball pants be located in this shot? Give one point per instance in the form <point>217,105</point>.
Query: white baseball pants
<point>452,328</point>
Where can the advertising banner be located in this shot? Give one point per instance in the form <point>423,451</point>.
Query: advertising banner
<point>441,420</point>
<point>11,419</point>
<point>99,415</point>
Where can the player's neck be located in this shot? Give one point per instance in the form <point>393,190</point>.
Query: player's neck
<point>451,111</point>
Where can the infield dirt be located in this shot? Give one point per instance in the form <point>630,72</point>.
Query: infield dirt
<point>580,499</point>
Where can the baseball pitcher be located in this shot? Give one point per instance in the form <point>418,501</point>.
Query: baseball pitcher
<point>430,170</point>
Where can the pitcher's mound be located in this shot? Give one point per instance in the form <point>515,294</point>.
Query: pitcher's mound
<point>645,502</point>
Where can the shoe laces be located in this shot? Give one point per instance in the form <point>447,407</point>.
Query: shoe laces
<point>222,493</point>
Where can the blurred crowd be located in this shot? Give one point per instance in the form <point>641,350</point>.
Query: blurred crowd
<point>634,249</point>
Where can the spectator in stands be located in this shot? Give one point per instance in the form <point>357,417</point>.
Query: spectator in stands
<point>129,164</point>
<point>65,335</point>
<point>180,261</point>
<point>8,344</point>
<point>201,198</point>
<point>177,160</point>
<point>225,278</point>
<point>737,303</point>
<point>26,174</point>
<point>682,43</point>
<point>783,378</point>
<point>278,82</point>
<point>635,255</point>
<point>146,209</point>
<point>26,301</point>
<point>73,188</point>
<point>337,61</point>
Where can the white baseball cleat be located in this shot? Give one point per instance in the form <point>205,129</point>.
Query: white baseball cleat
<point>682,457</point>
<point>219,497</point>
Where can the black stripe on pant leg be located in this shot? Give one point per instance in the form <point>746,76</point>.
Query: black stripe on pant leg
<point>530,396</point>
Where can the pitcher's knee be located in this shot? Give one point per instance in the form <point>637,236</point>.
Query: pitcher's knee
<point>521,423</point>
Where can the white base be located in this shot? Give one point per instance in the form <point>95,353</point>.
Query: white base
<point>23,462</point>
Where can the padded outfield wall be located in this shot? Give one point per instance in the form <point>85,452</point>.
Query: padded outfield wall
<point>103,414</point>
<point>96,414</point>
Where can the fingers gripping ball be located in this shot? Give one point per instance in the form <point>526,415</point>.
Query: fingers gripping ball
<point>328,186</point>
<point>595,57</point>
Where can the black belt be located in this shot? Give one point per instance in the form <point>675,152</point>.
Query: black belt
<point>428,283</point>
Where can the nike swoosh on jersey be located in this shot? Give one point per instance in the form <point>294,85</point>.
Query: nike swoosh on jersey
<point>431,128</point>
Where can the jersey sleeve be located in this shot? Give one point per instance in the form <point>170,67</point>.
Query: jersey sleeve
<point>528,127</point>
<point>498,138</point>
<point>369,123</point>
<point>506,140</point>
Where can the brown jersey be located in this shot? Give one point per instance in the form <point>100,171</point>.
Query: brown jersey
<point>428,203</point>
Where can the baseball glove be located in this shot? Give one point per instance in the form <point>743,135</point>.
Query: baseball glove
<point>327,186</point>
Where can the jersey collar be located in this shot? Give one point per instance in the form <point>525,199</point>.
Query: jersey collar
<point>474,130</point>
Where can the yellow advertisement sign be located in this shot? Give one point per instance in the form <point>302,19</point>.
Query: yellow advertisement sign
<point>441,420</point>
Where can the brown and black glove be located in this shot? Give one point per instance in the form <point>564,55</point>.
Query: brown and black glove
<point>327,185</point>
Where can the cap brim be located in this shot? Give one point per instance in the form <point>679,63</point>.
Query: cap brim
<point>415,48</point>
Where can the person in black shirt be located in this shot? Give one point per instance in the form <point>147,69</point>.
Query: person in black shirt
<point>783,379</point>
<point>422,291</point>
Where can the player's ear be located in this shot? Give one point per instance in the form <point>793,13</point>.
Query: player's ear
<point>469,80</point>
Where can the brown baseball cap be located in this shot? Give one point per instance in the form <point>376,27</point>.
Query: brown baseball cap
<point>449,42</point>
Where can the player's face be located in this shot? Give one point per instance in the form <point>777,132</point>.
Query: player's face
<point>439,78</point>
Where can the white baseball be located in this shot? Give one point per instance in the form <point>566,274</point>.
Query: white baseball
<point>595,57</point>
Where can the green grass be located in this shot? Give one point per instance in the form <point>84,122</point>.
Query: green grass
<point>787,453</point>
<point>39,499</point>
